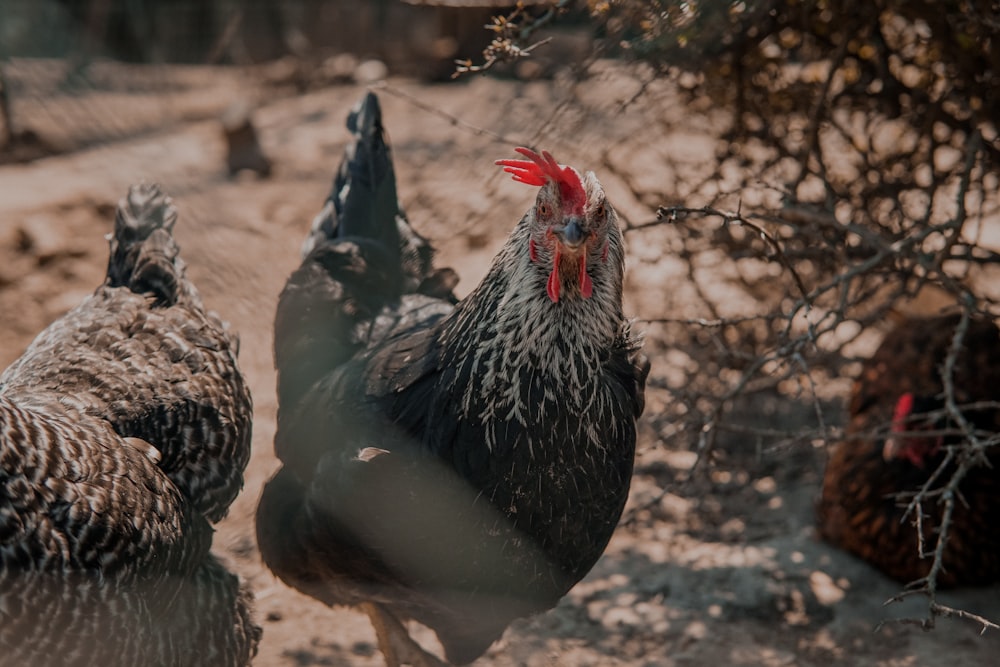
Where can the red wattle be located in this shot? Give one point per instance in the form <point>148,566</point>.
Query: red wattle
<point>586,284</point>
<point>553,285</point>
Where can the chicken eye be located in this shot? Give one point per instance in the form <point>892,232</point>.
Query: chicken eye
<point>600,211</point>
<point>544,210</point>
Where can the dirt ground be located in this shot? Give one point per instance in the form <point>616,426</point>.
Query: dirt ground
<point>725,572</point>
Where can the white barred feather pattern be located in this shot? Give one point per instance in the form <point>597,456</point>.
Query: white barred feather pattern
<point>124,431</point>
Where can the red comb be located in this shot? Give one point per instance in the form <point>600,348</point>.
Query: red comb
<point>904,406</point>
<point>540,169</point>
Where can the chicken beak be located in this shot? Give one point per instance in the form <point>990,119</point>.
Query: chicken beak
<point>570,246</point>
<point>890,450</point>
<point>572,234</point>
<point>899,448</point>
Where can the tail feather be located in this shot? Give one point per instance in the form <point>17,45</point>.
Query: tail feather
<point>363,202</point>
<point>361,255</point>
<point>144,256</point>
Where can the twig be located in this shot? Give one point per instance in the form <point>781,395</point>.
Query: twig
<point>505,53</point>
<point>672,213</point>
<point>935,610</point>
<point>510,36</point>
<point>451,119</point>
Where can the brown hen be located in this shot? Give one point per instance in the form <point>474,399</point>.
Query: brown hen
<point>898,438</point>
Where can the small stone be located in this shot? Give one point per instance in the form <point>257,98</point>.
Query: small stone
<point>370,71</point>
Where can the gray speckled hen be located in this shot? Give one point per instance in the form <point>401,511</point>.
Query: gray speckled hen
<point>124,431</point>
<point>459,464</point>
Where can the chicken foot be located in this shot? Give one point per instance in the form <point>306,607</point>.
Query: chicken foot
<point>395,642</point>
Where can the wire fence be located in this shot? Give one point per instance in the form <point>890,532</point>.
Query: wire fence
<point>857,176</point>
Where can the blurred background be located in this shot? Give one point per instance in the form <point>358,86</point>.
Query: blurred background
<point>794,177</point>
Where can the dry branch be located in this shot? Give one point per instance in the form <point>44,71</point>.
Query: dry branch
<point>870,141</point>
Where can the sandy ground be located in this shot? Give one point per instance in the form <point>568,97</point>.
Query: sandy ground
<point>726,571</point>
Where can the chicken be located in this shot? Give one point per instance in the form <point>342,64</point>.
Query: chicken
<point>124,432</point>
<point>461,465</point>
<point>897,438</point>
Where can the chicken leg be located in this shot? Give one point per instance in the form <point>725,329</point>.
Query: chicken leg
<point>395,642</point>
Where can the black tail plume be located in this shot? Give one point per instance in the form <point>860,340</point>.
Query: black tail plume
<point>144,256</point>
<point>363,202</point>
<point>361,255</point>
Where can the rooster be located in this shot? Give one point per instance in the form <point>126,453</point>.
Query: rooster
<point>124,432</point>
<point>458,464</point>
<point>898,436</point>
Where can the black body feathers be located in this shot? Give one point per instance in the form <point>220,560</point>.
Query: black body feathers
<point>462,465</point>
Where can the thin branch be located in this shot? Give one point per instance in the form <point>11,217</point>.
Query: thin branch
<point>508,44</point>
<point>672,213</point>
<point>451,119</point>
